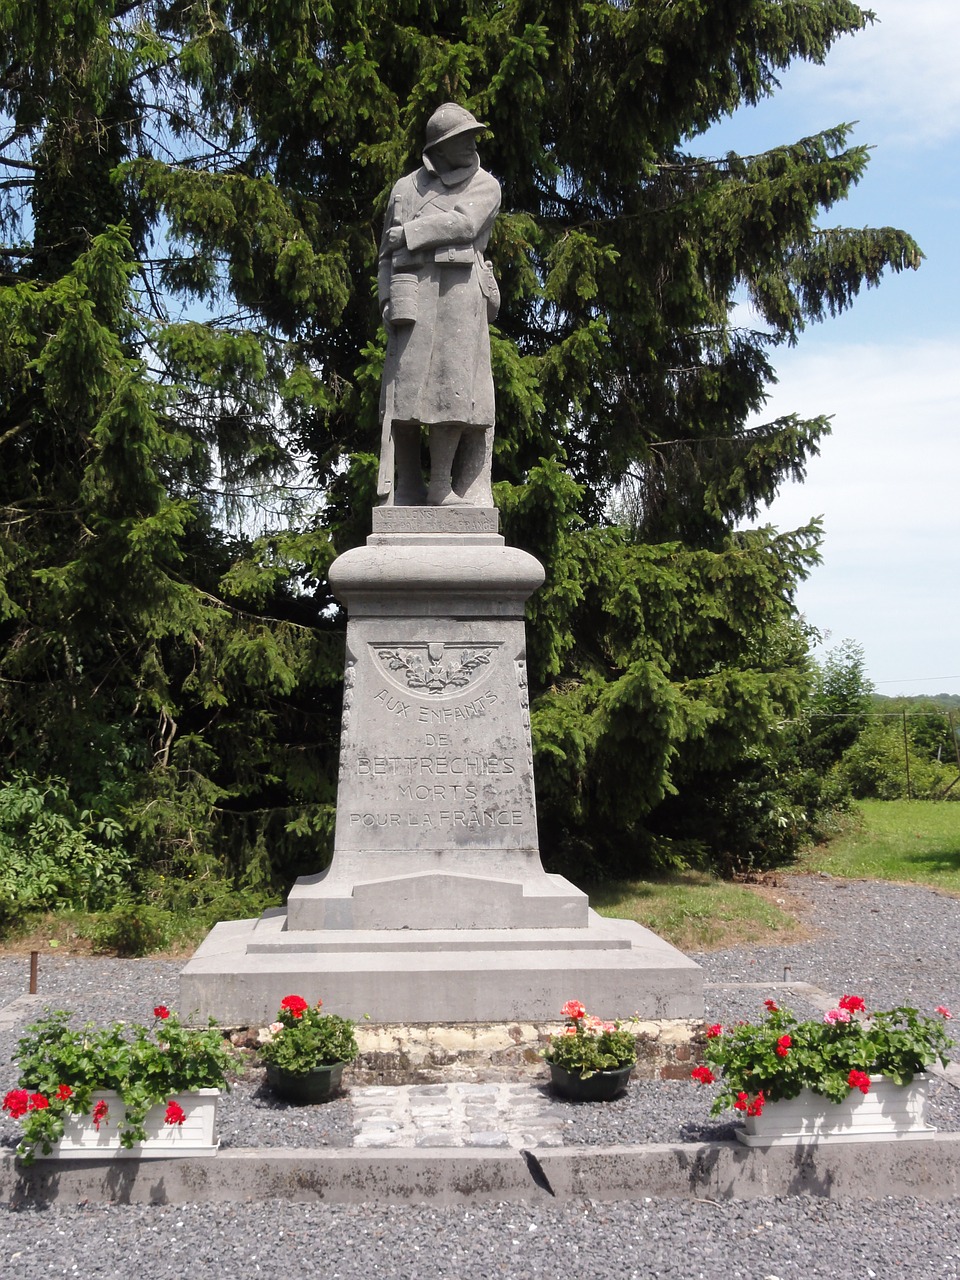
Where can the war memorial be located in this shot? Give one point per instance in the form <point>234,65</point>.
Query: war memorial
<point>436,906</point>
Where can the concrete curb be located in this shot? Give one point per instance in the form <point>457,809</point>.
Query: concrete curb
<point>928,1169</point>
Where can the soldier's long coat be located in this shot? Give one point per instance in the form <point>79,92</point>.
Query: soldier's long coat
<point>438,369</point>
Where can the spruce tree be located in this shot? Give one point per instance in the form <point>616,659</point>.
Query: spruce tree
<point>192,202</point>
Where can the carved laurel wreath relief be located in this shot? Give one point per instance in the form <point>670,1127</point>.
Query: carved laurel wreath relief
<point>435,669</point>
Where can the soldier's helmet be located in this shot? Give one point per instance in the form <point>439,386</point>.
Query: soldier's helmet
<point>448,121</point>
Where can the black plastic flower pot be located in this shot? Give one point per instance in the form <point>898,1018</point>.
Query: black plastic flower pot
<point>602,1086</point>
<point>318,1085</point>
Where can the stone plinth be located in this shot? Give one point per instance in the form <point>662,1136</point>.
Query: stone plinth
<point>436,906</point>
<point>244,968</point>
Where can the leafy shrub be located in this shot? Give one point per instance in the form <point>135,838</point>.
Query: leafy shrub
<point>875,767</point>
<point>52,854</point>
<point>133,929</point>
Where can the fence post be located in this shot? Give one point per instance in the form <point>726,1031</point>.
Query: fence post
<point>906,756</point>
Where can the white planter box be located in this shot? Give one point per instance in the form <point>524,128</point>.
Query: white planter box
<point>888,1111</point>
<point>195,1137</point>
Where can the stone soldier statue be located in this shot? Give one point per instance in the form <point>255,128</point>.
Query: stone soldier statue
<point>437,295</point>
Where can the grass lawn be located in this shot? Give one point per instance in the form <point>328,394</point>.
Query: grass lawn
<point>699,913</point>
<point>906,840</point>
<point>903,840</point>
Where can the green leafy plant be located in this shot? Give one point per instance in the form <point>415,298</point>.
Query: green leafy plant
<point>776,1058</point>
<point>52,853</point>
<point>588,1045</point>
<point>62,1068</point>
<point>303,1038</point>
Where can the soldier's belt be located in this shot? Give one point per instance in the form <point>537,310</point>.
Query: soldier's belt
<point>461,255</point>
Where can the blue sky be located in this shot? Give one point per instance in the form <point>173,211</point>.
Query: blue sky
<point>887,482</point>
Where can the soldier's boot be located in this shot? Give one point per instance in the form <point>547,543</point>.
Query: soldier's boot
<point>474,461</point>
<point>443,448</point>
<point>410,491</point>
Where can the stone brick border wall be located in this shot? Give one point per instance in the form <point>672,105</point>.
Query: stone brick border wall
<point>423,1054</point>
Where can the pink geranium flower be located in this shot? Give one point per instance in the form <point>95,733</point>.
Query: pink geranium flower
<point>833,1016</point>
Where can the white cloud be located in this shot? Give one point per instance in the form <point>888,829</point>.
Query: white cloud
<point>888,486</point>
<point>901,73</point>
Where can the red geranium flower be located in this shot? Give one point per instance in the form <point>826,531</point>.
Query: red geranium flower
<point>573,1009</point>
<point>64,1092</point>
<point>783,1046</point>
<point>17,1102</point>
<point>771,1006</point>
<point>174,1113</point>
<point>853,1004</point>
<point>859,1080</point>
<point>741,1102</point>
<point>943,1011</point>
<point>100,1113</point>
<point>295,1005</point>
<point>755,1108</point>
<point>161,1011</point>
<point>39,1102</point>
<point>714,1031</point>
<point>703,1075</point>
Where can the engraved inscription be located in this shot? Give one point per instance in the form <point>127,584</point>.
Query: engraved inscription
<point>435,520</point>
<point>434,766</point>
<point>468,819</point>
<point>435,785</point>
<point>406,710</point>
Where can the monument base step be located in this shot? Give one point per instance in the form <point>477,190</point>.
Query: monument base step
<point>244,968</point>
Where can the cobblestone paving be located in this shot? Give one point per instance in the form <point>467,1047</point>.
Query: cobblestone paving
<point>456,1115</point>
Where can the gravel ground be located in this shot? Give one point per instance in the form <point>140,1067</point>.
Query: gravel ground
<point>891,944</point>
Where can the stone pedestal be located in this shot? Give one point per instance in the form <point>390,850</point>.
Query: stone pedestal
<point>436,907</point>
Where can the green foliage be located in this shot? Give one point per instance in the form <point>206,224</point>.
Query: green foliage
<point>145,1066</point>
<point>779,1056</point>
<point>303,1038</point>
<point>838,707</point>
<point>882,765</point>
<point>132,929</point>
<point>791,792</point>
<point>189,374</point>
<point>51,854</point>
<point>588,1045</point>
<point>663,726</point>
